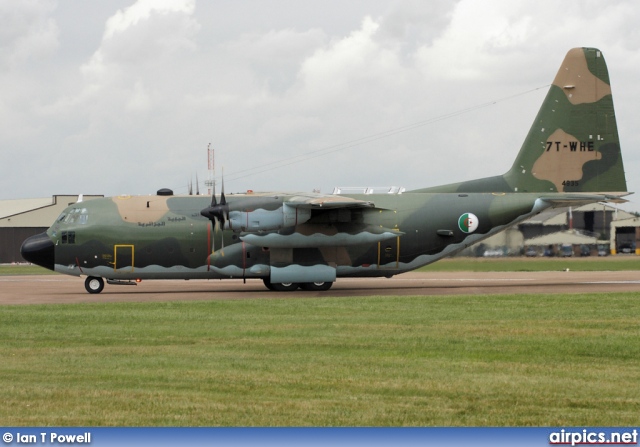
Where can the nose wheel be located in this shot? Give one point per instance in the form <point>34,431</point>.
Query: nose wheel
<point>94,284</point>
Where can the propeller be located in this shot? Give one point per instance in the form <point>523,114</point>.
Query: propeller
<point>218,213</point>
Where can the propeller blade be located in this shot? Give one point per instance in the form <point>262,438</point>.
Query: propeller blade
<point>223,200</point>
<point>214,233</point>
<point>213,196</point>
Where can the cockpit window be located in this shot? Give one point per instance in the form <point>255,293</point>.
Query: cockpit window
<point>83,216</point>
<point>61,218</point>
<point>76,215</point>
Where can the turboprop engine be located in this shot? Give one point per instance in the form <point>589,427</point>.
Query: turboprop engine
<point>259,214</point>
<point>260,220</point>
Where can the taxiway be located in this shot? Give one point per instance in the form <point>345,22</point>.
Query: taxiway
<point>43,289</point>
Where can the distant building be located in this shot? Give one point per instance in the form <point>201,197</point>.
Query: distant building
<point>593,219</point>
<point>21,218</point>
<point>587,229</point>
<point>625,236</point>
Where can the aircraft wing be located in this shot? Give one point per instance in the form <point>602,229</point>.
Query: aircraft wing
<point>326,201</point>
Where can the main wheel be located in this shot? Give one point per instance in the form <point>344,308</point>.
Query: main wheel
<point>94,284</point>
<point>316,285</point>
<point>280,286</point>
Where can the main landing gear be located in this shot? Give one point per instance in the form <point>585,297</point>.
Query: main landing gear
<point>291,286</point>
<point>95,284</point>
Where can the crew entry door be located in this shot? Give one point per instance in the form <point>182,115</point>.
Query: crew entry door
<point>123,257</point>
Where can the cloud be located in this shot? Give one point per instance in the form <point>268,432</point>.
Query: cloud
<point>142,38</point>
<point>142,10</point>
<point>29,40</point>
<point>135,70</point>
<point>28,32</point>
<point>331,72</point>
<point>136,106</point>
<point>274,55</point>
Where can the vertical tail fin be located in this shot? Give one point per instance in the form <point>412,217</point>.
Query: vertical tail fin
<point>573,144</point>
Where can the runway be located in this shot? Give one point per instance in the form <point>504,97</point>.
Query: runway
<point>66,289</point>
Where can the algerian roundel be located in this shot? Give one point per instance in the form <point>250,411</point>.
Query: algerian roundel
<point>468,223</point>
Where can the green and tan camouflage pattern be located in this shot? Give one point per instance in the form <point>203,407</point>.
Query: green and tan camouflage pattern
<point>570,156</point>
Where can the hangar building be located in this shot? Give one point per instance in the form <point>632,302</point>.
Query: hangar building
<point>22,218</point>
<point>597,226</point>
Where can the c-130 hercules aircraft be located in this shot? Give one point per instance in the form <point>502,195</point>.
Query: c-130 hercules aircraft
<point>571,156</point>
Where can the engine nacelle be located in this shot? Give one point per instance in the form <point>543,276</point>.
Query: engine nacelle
<point>240,261</point>
<point>265,220</point>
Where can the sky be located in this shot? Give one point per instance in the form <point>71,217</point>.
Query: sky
<point>124,96</point>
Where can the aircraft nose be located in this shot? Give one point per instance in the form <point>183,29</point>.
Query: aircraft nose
<point>39,250</point>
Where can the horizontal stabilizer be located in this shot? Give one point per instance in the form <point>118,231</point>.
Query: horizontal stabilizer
<point>558,200</point>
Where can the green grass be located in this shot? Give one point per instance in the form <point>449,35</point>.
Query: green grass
<point>549,360</point>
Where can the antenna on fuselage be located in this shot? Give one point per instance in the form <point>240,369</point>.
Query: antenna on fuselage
<point>211,167</point>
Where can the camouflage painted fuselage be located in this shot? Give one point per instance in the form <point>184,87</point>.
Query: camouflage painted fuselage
<point>166,237</point>
<point>571,156</point>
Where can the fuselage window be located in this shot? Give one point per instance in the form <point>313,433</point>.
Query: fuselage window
<point>68,237</point>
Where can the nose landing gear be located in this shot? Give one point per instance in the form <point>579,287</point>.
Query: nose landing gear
<point>94,284</point>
